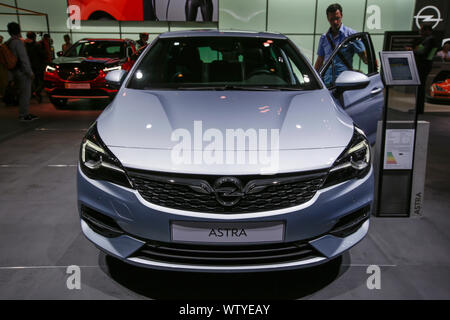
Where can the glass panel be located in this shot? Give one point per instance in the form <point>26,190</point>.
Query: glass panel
<point>143,26</point>
<point>242,15</point>
<point>5,19</point>
<point>56,11</point>
<point>389,15</point>
<point>175,26</point>
<point>377,41</point>
<point>291,16</point>
<point>316,45</point>
<point>99,26</point>
<point>305,43</point>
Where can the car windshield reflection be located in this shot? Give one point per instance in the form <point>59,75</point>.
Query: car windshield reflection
<point>223,63</point>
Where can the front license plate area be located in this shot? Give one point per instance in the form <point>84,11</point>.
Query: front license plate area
<point>227,232</point>
<point>69,85</point>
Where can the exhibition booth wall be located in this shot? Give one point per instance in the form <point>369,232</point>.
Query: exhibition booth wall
<point>302,20</point>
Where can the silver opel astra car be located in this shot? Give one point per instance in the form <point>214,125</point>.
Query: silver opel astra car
<point>226,152</point>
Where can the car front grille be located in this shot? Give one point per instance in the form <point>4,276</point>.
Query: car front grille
<point>198,193</point>
<point>77,72</point>
<point>221,255</point>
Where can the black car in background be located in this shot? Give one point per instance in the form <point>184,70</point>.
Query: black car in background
<point>80,71</point>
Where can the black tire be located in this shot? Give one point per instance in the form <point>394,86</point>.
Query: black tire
<point>58,102</point>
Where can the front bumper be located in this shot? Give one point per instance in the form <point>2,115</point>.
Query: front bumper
<point>144,222</point>
<point>56,88</point>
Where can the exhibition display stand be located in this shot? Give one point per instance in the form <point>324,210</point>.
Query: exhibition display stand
<point>401,148</point>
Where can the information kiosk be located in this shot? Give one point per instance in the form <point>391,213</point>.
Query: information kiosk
<point>401,170</point>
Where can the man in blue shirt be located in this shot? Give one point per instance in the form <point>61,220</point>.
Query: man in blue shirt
<point>331,39</point>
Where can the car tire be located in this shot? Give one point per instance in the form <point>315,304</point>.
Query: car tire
<point>58,102</point>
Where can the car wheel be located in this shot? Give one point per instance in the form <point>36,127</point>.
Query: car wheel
<point>58,102</point>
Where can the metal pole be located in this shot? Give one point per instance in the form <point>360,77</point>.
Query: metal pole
<point>17,12</point>
<point>48,25</point>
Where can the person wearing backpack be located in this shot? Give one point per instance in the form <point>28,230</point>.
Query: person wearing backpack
<point>22,73</point>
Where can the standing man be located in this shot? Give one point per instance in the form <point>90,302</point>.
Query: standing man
<point>3,75</point>
<point>331,39</point>
<point>37,57</point>
<point>47,47</point>
<point>143,40</point>
<point>424,53</point>
<point>67,43</point>
<point>22,73</point>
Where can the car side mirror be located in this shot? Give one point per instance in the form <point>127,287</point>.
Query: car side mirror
<point>115,78</point>
<point>351,80</point>
<point>59,53</point>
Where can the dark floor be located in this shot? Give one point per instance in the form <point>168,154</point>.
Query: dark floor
<point>40,232</point>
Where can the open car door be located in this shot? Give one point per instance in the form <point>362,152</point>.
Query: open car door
<point>365,106</point>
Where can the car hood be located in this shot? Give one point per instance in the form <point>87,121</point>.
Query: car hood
<point>150,119</point>
<point>87,60</point>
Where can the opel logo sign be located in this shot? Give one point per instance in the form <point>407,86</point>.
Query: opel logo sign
<point>428,14</point>
<point>228,191</point>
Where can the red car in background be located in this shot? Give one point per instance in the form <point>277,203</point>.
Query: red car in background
<point>80,72</point>
<point>440,88</point>
<point>122,10</point>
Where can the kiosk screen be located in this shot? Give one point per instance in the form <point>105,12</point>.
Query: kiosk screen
<point>400,69</point>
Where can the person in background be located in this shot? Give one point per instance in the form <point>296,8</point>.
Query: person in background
<point>46,46</point>
<point>206,8</point>
<point>143,40</point>
<point>67,43</point>
<point>3,75</point>
<point>336,34</point>
<point>445,52</point>
<point>22,74</point>
<point>52,49</point>
<point>424,52</point>
<point>37,57</point>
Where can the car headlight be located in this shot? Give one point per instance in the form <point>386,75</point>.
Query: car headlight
<point>50,69</point>
<point>112,68</point>
<point>97,162</point>
<point>354,161</point>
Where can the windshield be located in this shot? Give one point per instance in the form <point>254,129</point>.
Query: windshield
<point>223,63</point>
<point>97,49</point>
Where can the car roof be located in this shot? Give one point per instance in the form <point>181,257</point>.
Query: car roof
<point>221,33</point>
